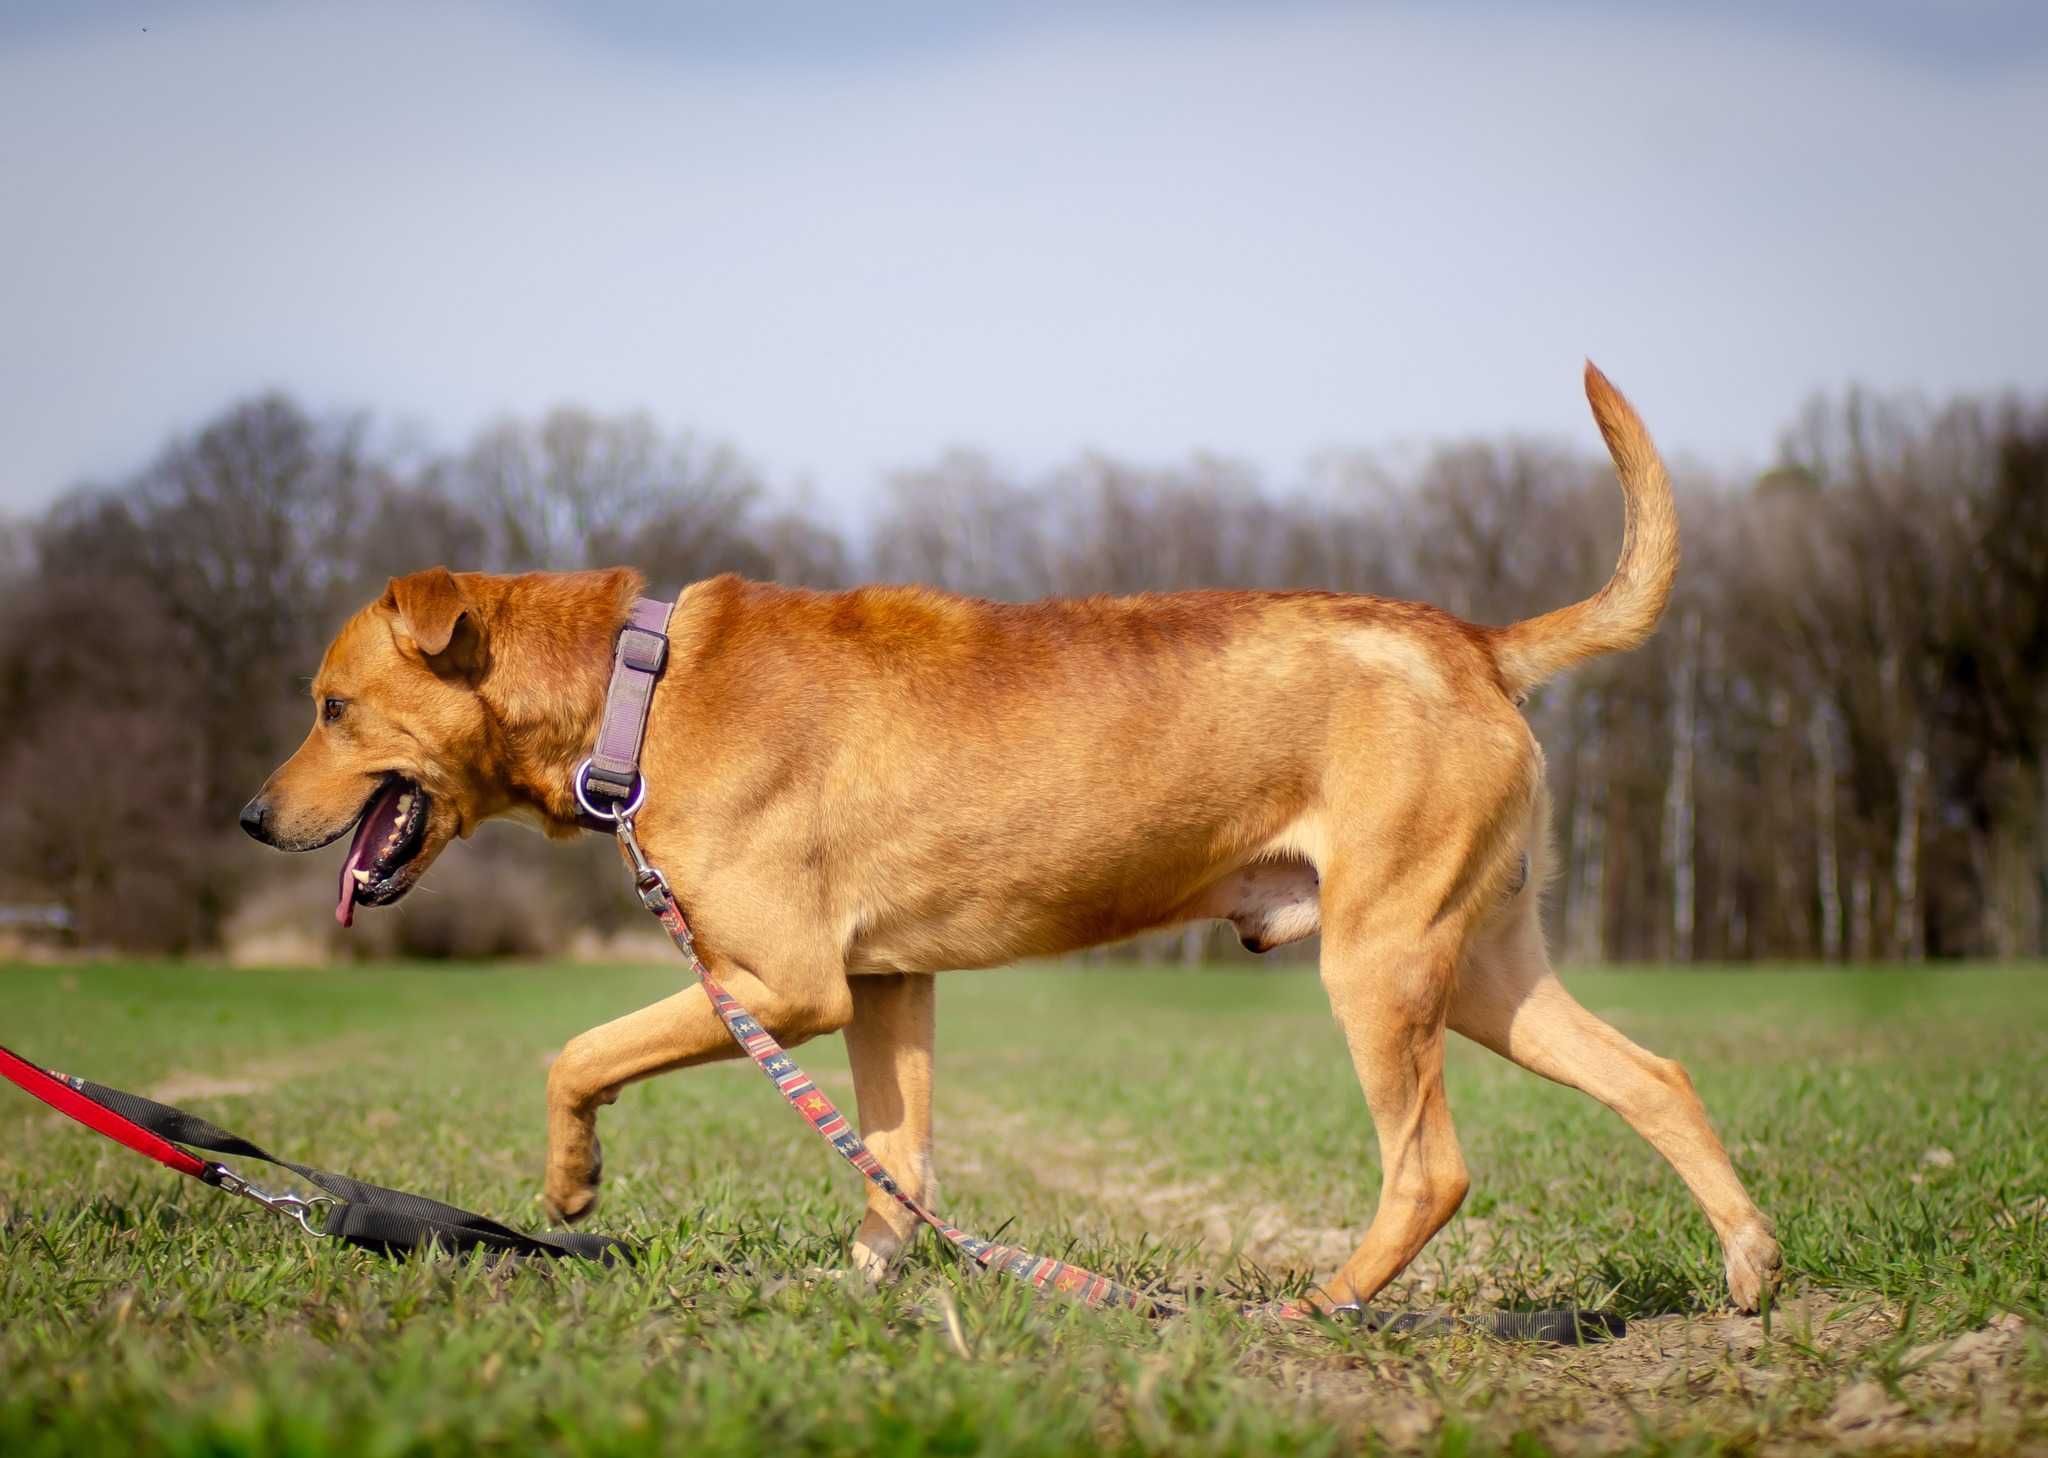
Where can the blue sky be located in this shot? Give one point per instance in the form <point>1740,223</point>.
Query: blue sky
<point>845,237</point>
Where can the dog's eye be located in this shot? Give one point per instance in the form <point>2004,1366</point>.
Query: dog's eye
<point>332,709</point>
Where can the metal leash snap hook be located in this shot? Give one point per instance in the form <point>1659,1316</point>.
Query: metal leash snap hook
<point>615,811</point>
<point>312,1214</point>
<point>647,878</point>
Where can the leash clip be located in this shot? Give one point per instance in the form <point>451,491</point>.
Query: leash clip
<point>312,1214</point>
<point>647,878</point>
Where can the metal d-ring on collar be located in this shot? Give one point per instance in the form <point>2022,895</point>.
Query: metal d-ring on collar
<point>613,811</point>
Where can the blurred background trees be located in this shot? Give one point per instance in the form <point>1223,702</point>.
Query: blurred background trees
<point>1832,750</point>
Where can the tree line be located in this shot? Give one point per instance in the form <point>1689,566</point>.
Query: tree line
<point>1833,748</point>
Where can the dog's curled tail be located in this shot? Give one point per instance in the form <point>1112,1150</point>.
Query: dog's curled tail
<point>1624,612</point>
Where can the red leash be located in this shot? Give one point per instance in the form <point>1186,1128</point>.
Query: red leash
<point>64,1094</point>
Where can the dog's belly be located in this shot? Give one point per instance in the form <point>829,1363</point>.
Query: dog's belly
<point>1270,902</point>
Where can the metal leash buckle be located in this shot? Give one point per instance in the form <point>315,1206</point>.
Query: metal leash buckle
<point>647,879</point>
<point>312,1214</point>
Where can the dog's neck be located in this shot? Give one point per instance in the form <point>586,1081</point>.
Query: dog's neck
<point>551,639</point>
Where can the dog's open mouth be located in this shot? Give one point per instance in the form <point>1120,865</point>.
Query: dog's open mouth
<point>389,835</point>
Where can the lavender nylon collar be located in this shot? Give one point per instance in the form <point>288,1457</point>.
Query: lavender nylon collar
<point>609,781</point>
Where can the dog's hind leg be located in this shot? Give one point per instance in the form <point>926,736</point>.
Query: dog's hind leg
<point>1388,976</point>
<point>1508,999</point>
<point>889,1044</point>
<point>1417,849</point>
<point>1389,996</point>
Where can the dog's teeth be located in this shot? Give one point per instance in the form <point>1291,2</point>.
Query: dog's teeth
<point>362,876</point>
<point>404,803</point>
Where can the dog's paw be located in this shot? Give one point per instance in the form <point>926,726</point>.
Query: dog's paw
<point>568,1196</point>
<point>569,1208</point>
<point>875,1260</point>
<point>1755,1267</point>
<point>877,1247</point>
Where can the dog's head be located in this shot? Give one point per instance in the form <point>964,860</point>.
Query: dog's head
<point>400,745</point>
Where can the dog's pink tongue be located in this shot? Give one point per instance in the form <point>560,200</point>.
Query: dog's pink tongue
<point>358,853</point>
<point>345,905</point>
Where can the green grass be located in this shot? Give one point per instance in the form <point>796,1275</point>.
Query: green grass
<point>1200,1129</point>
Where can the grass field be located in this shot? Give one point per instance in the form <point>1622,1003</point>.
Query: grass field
<point>1201,1129</point>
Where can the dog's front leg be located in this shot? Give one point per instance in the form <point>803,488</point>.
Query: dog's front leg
<point>889,1044</point>
<point>674,1033</point>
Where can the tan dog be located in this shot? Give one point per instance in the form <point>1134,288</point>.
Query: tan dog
<point>851,791</point>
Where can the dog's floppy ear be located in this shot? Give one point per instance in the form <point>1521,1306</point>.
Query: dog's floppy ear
<point>436,614</point>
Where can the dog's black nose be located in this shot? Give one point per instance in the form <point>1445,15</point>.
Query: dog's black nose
<point>256,819</point>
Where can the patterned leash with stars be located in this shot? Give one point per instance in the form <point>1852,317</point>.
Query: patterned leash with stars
<point>837,1130</point>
